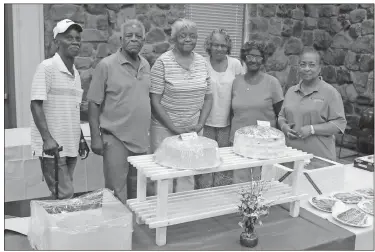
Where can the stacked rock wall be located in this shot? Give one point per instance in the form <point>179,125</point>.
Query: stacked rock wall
<point>102,30</point>
<point>344,36</point>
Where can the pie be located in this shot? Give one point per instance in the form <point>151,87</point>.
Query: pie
<point>348,198</point>
<point>324,204</point>
<point>353,217</point>
<point>367,206</point>
<point>367,192</point>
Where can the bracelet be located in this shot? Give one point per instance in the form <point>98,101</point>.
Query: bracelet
<point>312,130</point>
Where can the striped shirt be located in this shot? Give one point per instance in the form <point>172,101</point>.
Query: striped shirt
<point>183,90</point>
<point>61,94</point>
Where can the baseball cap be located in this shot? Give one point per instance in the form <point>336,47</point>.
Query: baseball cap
<point>63,25</point>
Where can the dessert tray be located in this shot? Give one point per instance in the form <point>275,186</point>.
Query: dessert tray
<point>352,217</point>
<point>368,193</point>
<point>347,197</point>
<point>194,169</point>
<point>367,206</point>
<point>283,152</point>
<point>323,203</point>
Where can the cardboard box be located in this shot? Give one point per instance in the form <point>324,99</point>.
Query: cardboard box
<point>94,221</point>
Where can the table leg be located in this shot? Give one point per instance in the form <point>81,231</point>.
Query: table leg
<point>161,210</point>
<point>141,191</point>
<point>296,178</point>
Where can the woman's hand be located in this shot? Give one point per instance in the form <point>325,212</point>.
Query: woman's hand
<point>305,131</point>
<point>179,130</point>
<point>289,133</point>
<point>197,128</point>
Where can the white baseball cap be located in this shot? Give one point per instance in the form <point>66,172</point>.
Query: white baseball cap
<point>63,25</point>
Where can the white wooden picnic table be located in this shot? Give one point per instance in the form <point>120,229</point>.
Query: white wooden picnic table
<point>166,209</point>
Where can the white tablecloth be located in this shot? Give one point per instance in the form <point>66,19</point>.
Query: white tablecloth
<point>354,179</point>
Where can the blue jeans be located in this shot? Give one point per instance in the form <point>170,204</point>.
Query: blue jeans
<point>66,167</point>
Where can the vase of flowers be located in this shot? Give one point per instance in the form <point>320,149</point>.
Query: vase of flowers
<point>252,207</point>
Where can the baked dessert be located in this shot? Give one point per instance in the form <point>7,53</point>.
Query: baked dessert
<point>324,204</point>
<point>353,217</point>
<point>348,198</point>
<point>366,192</point>
<point>367,206</point>
<point>195,153</point>
<point>260,142</point>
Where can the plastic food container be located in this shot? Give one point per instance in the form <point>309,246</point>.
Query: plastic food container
<point>94,221</point>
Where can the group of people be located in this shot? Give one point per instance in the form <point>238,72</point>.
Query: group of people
<point>133,108</point>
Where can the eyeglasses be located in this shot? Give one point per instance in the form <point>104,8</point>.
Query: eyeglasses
<point>304,65</point>
<point>185,36</point>
<point>251,57</point>
<point>219,45</point>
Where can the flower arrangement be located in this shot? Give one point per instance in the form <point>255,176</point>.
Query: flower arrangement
<point>253,206</point>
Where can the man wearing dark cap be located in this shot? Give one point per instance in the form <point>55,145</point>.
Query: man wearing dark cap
<point>56,95</point>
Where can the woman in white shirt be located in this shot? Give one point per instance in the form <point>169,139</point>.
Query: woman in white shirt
<point>223,70</point>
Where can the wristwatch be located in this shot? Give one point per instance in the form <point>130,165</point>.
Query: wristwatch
<point>312,130</point>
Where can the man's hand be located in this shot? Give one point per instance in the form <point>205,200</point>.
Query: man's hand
<point>50,146</point>
<point>305,131</point>
<point>97,145</point>
<point>289,133</point>
<point>84,149</point>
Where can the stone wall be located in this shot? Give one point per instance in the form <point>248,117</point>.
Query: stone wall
<point>102,31</point>
<point>344,36</point>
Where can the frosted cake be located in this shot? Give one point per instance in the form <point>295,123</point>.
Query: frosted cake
<point>196,153</point>
<point>260,142</point>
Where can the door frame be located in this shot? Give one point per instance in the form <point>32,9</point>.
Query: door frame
<point>10,117</point>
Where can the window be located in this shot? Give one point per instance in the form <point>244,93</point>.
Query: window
<point>213,16</point>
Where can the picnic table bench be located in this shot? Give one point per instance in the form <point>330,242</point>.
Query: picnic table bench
<point>165,209</point>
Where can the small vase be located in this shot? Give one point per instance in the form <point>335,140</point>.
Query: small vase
<point>249,240</point>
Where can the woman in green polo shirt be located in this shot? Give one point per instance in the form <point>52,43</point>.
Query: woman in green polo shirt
<point>313,110</point>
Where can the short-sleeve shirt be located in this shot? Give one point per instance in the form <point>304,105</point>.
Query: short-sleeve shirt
<point>251,103</point>
<point>123,93</point>
<point>323,104</point>
<point>222,92</point>
<point>183,90</point>
<point>61,94</point>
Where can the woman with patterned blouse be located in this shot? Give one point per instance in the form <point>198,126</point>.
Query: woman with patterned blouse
<point>181,96</point>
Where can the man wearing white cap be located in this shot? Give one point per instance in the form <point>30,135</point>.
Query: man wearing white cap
<point>56,95</point>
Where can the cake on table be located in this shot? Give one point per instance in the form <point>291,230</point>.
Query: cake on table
<point>260,142</point>
<point>195,153</point>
